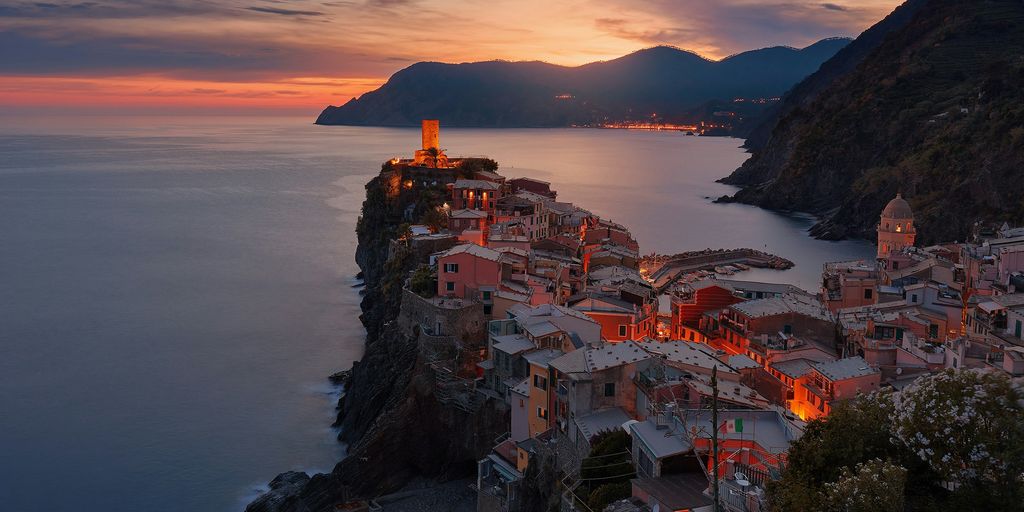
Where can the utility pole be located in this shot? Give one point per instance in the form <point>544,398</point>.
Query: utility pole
<point>714,431</point>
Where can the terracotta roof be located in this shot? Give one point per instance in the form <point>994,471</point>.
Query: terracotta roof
<point>481,184</point>
<point>475,250</point>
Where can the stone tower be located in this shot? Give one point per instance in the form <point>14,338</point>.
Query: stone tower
<point>895,228</point>
<point>431,129</point>
<point>431,142</point>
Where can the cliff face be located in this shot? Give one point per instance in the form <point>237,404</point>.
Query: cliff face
<point>394,424</point>
<point>808,89</point>
<point>932,111</point>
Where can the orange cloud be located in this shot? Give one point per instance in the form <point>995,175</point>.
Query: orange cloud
<point>304,93</point>
<point>263,53</point>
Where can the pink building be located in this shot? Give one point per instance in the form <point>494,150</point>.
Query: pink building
<point>476,195</point>
<point>470,271</point>
<point>462,220</point>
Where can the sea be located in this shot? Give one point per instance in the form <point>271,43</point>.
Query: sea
<point>174,291</point>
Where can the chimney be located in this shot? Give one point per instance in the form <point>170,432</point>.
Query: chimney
<point>431,129</point>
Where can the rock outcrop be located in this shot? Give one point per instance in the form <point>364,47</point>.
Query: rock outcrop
<point>931,109</point>
<point>390,416</point>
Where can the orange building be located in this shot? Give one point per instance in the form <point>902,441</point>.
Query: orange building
<point>623,317</point>
<point>825,383</point>
<point>691,300</point>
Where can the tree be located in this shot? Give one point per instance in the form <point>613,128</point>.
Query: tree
<point>423,282</point>
<point>958,437</point>
<point>470,166</point>
<point>874,486</point>
<point>968,427</point>
<point>606,472</point>
<point>435,156</point>
<point>854,432</point>
<point>435,219</point>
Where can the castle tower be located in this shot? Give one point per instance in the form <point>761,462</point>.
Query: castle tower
<point>431,133</point>
<point>895,228</point>
<point>431,155</point>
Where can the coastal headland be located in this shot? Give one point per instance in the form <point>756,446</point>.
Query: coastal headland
<point>418,405</point>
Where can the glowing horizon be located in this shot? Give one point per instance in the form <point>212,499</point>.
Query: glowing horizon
<point>304,54</point>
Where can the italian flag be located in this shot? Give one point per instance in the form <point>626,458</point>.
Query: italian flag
<point>733,426</point>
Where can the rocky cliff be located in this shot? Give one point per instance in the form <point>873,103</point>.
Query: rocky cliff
<point>932,109</point>
<point>808,89</point>
<point>391,418</point>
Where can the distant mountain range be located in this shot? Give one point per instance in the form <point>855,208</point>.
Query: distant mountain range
<point>928,102</point>
<point>671,83</point>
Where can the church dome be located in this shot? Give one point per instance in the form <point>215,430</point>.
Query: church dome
<point>898,208</point>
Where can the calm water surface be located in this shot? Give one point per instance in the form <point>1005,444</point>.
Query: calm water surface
<point>173,291</point>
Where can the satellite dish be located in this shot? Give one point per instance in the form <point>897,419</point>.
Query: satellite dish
<point>899,371</point>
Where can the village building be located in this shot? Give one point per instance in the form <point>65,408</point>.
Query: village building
<point>463,220</point>
<point>827,382</point>
<point>533,185</point>
<point>527,329</point>
<point>596,391</point>
<point>624,314</point>
<point>476,195</point>
<point>669,450</point>
<point>847,284</point>
<point>469,271</point>
<point>778,328</point>
<point>690,300</point>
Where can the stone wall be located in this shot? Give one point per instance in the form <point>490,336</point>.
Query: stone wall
<point>460,318</point>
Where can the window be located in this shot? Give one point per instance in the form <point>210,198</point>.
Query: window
<point>451,268</point>
<point>488,308</point>
<point>933,331</point>
<point>787,329</point>
<point>867,293</point>
<point>542,413</point>
<point>609,389</point>
<point>895,265</point>
<point>622,330</point>
<point>913,298</point>
<point>486,294</point>
<point>449,286</point>
<point>540,382</point>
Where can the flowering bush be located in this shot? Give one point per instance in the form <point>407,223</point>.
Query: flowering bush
<point>968,426</point>
<point>874,486</point>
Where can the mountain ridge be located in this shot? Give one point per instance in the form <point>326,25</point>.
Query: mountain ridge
<point>662,80</point>
<point>933,111</point>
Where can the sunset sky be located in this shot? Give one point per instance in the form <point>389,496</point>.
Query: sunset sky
<point>302,55</point>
